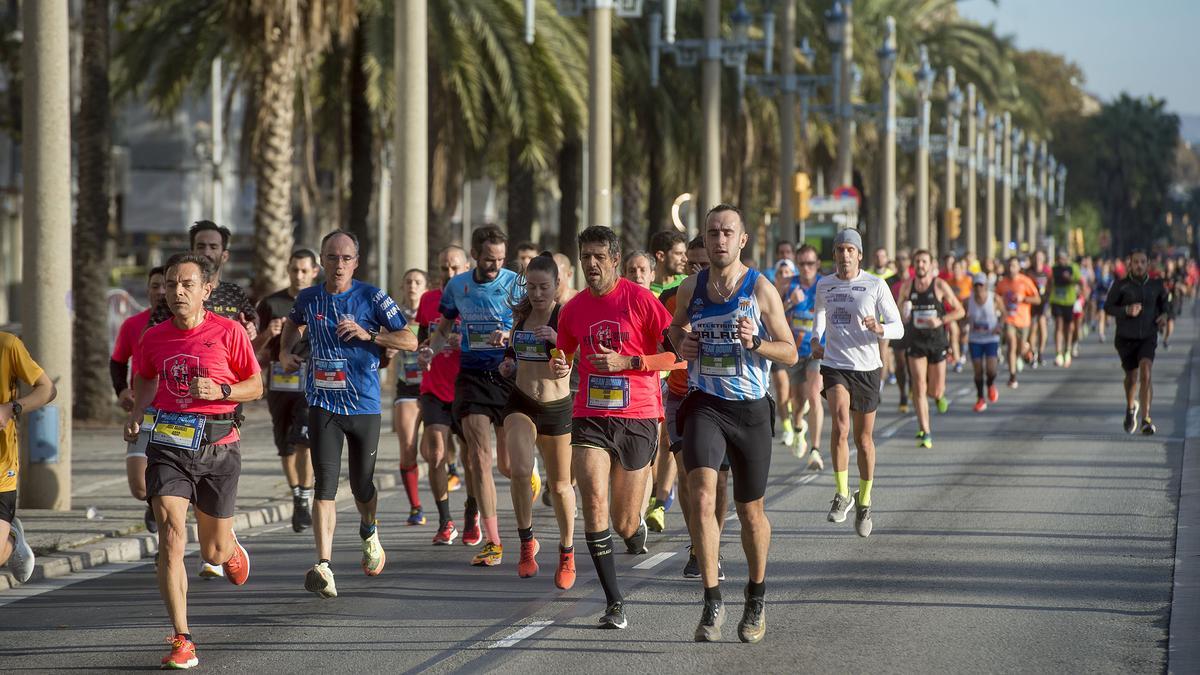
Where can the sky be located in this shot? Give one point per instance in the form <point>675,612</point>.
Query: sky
<point>1137,46</point>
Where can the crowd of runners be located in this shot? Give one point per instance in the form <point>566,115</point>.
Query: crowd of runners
<point>666,378</point>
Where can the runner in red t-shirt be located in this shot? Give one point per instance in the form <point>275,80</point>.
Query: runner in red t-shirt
<point>204,366</point>
<point>617,327</point>
<point>437,393</point>
<point>119,368</point>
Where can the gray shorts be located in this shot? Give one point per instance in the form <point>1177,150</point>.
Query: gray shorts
<point>138,448</point>
<point>671,408</point>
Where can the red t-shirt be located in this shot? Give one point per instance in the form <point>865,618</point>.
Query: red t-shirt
<point>128,336</point>
<point>218,349</point>
<point>628,320</point>
<point>443,370</point>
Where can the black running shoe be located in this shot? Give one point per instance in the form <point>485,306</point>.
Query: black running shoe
<point>1148,428</point>
<point>1131,419</point>
<point>151,523</point>
<point>305,513</point>
<point>711,619</point>
<point>614,616</point>
<point>753,625</point>
<point>636,545</point>
<point>297,513</point>
<point>692,569</point>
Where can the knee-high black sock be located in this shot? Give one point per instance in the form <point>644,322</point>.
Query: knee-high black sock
<point>443,507</point>
<point>991,379</point>
<point>979,385</point>
<point>600,547</point>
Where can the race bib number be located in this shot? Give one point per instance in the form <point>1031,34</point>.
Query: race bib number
<point>608,392</point>
<point>924,318</point>
<point>720,359</point>
<point>528,347</point>
<point>410,369</point>
<point>479,335</point>
<point>801,325</point>
<point>281,380</point>
<point>329,374</point>
<point>1011,303</point>
<point>178,430</point>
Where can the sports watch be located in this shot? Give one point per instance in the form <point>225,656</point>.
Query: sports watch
<point>226,390</point>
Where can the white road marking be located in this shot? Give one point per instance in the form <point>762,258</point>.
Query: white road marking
<point>530,629</point>
<point>654,560</point>
<point>93,487</point>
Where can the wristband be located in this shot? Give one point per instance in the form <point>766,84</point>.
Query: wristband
<point>755,343</point>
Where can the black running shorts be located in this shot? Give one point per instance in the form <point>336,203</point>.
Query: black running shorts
<point>481,392</point>
<point>863,386</point>
<point>1064,312</point>
<point>289,420</point>
<point>8,505</point>
<point>1132,351</point>
<point>714,427</point>
<point>207,477</point>
<point>552,418</point>
<point>927,344</point>
<point>633,442</point>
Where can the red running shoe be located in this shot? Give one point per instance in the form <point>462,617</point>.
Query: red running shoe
<point>980,405</point>
<point>237,568</point>
<point>471,535</point>
<point>445,535</point>
<point>182,656</point>
<point>564,576</point>
<point>527,566</point>
<point>992,394</point>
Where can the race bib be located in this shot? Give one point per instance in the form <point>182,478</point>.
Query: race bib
<point>801,325</point>
<point>281,380</point>
<point>528,347</point>
<point>410,369</point>
<point>479,335</point>
<point>1011,304</point>
<point>329,374</point>
<point>178,430</point>
<point>608,392</point>
<point>923,318</point>
<point>720,359</point>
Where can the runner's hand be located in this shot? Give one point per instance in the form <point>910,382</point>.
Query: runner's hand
<point>1134,309</point>
<point>872,324</point>
<point>498,339</point>
<point>546,333</point>
<point>508,368</point>
<point>251,328</point>
<point>559,365</point>
<point>1161,321</point>
<point>289,361</point>
<point>126,399</point>
<point>391,352</point>
<point>204,389</point>
<point>605,360</point>
<point>133,427</point>
<point>818,352</point>
<point>746,332</point>
<point>274,327</point>
<point>424,357</point>
<point>348,329</point>
<point>690,349</point>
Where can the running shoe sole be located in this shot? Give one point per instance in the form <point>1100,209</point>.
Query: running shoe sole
<point>836,516</point>
<point>314,582</point>
<point>21,560</point>
<point>753,633</point>
<point>711,633</point>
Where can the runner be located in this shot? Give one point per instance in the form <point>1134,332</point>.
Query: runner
<point>670,260</point>
<point>16,366</point>
<point>204,366</point>
<point>348,324</point>
<point>1039,271</point>
<point>526,250</point>
<point>784,250</point>
<point>285,391</point>
<point>616,327</point>
<point>566,277</point>
<point>925,298</point>
<point>899,348</point>
<point>538,413</point>
<point>481,298</point>
<point>639,268</point>
<point>738,325</point>
<point>962,283</point>
<point>1019,293</point>
<point>883,267</point>
<point>118,368</point>
<point>947,273</point>
<point>1104,282</point>
<point>984,310</point>
<point>1065,282</point>
<point>781,375</point>
<point>854,310</point>
<point>436,399</point>
<point>1139,305</point>
<point>406,414</point>
<point>806,374</point>
<point>1175,281</point>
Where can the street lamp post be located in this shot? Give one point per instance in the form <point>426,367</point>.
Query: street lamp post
<point>1031,222</point>
<point>410,189</point>
<point>840,30</point>
<point>972,195</point>
<point>1043,189</point>
<point>887,195</point>
<point>1006,175</point>
<point>953,111</point>
<point>925,77</point>
<point>787,119</point>
<point>993,126</point>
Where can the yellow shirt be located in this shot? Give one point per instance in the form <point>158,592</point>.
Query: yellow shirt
<point>15,364</point>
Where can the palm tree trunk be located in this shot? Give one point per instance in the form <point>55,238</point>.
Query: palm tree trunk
<point>634,234</point>
<point>92,399</point>
<point>362,143</point>
<point>570,167</point>
<point>522,197</point>
<point>273,235</point>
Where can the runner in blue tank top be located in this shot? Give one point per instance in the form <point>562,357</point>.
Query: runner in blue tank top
<point>729,325</point>
<point>348,324</point>
<point>806,379</point>
<point>480,299</point>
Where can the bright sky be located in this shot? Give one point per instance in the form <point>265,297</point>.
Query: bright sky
<point>1138,46</point>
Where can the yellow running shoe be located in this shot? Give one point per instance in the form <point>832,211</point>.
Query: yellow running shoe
<point>536,481</point>
<point>373,557</point>
<point>656,516</point>
<point>488,556</point>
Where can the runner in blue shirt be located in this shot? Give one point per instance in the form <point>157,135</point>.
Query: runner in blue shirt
<point>800,304</point>
<point>349,324</point>
<point>482,300</point>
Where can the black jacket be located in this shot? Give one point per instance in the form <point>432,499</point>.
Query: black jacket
<point>1129,291</point>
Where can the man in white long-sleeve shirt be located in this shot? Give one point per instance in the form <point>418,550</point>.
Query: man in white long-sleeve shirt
<point>854,309</point>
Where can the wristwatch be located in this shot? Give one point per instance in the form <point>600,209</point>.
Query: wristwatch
<point>636,363</point>
<point>16,409</point>
<point>755,343</point>
<point>226,390</point>
<point>374,335</point>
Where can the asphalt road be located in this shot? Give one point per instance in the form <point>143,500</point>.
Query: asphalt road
<point>1034,537</point>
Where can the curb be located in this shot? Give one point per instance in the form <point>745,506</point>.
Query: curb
<point>1183,651</point>
<point>134,547</point>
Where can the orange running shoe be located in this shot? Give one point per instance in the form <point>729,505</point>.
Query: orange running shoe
<point>992,394</point>
<point>471,534</point>
<point>527,566</point>
<point>564,576</point>
<point>445,534</point>
<point>182,656</point>
<point>980,405</point>
<point>237,568</point>
<point>453,483</point>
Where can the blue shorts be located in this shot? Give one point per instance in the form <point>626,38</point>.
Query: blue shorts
<point>982,350</point>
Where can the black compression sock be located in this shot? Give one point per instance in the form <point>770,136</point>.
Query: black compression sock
<point>525,533</point>
<point>600,547</point>
<point>979,386</point>
<point>365,530</point>
<point>756,590</point>
<point>188,637</point>
<point>712,594</point>
<point>991,379</point>
<point>443,507</point>
<point>470,505</point>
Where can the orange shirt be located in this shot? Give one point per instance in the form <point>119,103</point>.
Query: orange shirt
<point>1013,291</point>
<point>963,284</point>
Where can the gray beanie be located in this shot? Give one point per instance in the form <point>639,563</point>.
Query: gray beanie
<point>849,236</point>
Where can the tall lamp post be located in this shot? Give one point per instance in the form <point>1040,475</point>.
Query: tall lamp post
<point>1006,174</point>
<point>887,195</point>
<point>925,76</point>
<point>1043,190</point>
<point>1031,195</point>
<point>972,195</point>
<point>954,105</point>
<point>839,29</point>
<point>994,127</point>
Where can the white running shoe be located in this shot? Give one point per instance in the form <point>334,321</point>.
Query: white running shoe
<point>20,562</point>
<point>815,463</point>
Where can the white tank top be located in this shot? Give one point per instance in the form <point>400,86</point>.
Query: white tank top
<point>983,319</point>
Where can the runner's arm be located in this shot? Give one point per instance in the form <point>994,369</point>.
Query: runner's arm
<point>680,322</point>
<point>287,341</point>
<point>885,308</point>
<point>781,345</point>
<point>956,309</point>
<point>402,339</point>
<point>819,319</point>
<point>119,373</point>
<point>1112,304</point>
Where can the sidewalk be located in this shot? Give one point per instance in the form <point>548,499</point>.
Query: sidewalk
<point>66,542</point>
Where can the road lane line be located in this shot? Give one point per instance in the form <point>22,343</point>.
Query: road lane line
<point>529,630</point>
<point>654,560</point>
